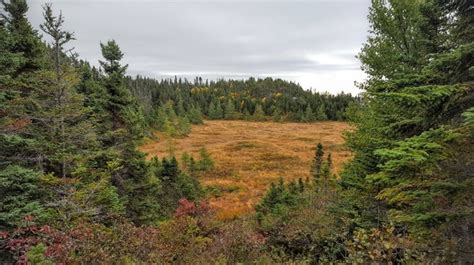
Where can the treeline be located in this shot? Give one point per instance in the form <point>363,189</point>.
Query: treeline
<point>68,140</point>
<point>251,99</point>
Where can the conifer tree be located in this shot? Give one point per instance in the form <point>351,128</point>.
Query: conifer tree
<point>213,112</point>
<point>25,39</point>
<point>219,111</point>
<point>180,111</point>
<point>195,115</point>
<point>308,114</point>
<point>321,113</point>
<point>60,107</point>
<point>258,115</point>
<point>123,128</point>
<point>229,112</point>
<point>205,162</point>
<point>317,163</point>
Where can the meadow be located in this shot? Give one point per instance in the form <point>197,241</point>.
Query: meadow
<point>251,155</point>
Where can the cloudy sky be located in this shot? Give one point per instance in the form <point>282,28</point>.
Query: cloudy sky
<point>310,42</point>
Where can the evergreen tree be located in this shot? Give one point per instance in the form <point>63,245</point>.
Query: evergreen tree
<point>212,114</point>
<point>229,112</point>
<point>25,39</point>
<point>308,114</point>
<point>219,111</point>
<point>258,115</point>
<point>317,163</point>
<point>59,106</point>
<point>183,126</point>
<point>123,127</point>
<point>22,195</point>
<point>205,162</point>
<point>406,148</point>
<point>180,111</point>
<point>195,115</point>
<point>321,113</point>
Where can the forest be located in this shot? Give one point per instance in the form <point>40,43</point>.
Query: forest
<point>76,187</point>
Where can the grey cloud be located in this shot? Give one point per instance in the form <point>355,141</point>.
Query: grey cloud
<point>225,38</point>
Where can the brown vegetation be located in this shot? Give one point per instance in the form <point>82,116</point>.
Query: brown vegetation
<point>251,155</point>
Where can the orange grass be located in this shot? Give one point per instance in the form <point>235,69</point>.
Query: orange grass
<point>251,155</point>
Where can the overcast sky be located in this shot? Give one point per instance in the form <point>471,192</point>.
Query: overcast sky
<point>310,42</point>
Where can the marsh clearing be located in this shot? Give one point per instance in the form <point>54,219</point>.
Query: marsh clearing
<point>250,155</point>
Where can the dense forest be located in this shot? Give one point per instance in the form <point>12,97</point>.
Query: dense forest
<point>239,99</point>
<point>75,189</point>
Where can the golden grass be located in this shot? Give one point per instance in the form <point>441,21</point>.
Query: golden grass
<point>251,155</point>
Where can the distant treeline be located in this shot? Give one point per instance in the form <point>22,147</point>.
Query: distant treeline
<point>251,99</point>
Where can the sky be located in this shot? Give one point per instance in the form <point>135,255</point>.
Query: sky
<point>313,43</point>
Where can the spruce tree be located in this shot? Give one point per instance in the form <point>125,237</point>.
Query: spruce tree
<point>195,115</point>
<point>66,134</point>
<point>25,39</point>
<point>317,163</point>
<point>219,111</point>
<point>123,128</point>
<point>212,114</point>
<point>229,112</point>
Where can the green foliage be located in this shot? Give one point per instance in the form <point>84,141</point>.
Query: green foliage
<point>258,114</point>
<point>317,162</point>
<point>238,99</point>
<point>229,112</point>
<point>22,195</point>
<point>412,145</point>
<point>205,162</point>
<point>308,114</point>
<point>195,115</point>
<point>36,255</point>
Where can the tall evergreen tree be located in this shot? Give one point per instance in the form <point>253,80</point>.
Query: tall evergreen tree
<point>60,114</point>
<point>123,128</point>
<point>317,163</point>
<point>229,112</point>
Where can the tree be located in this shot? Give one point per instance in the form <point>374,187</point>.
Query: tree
<point>317,163</point>
<point>60,113</point>
<point>212,114</point>
<point>308,114</point>
<point>25,39</point>
<point>258,114</point>
<point>123,128</point>
<point>195,115</point>
<point>321,113</point>
<point>205,162</point>
<point>229,112</point>
<point>22,195</point>
<point>219,111</point>
<point>407,152</point>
